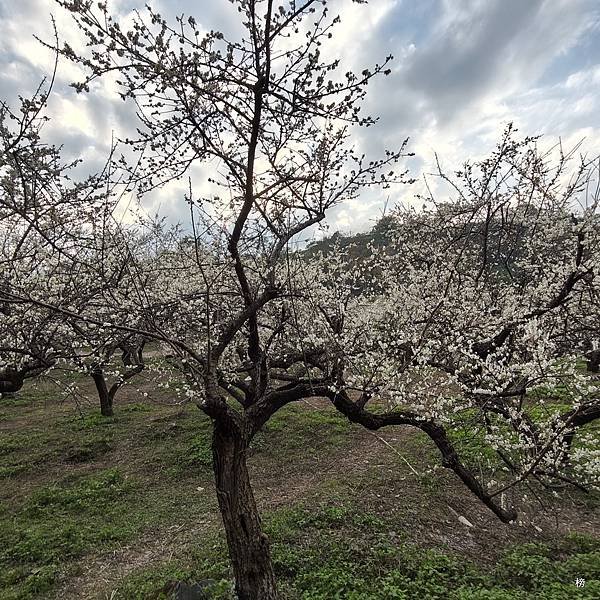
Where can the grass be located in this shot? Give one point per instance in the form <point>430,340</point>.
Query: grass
<point>341,552</point>
<point>346,516</point>
<point>74,483</point>
<point>289,429</point>
<point>58,522</point>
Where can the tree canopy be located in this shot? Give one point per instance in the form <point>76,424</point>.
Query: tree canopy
<point>456,313</point>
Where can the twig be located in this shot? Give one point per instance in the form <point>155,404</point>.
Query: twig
<point>394,450</point>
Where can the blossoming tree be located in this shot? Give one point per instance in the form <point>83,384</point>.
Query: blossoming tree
<point>56,245</point>
<point>476,309</point>
<point>468,310</point>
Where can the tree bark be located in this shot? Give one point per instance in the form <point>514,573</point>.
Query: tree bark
<point>106,407</point>
<point>248,546</point>
<point>593,361</point>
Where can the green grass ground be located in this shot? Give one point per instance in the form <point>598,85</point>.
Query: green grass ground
<point>117,508</point>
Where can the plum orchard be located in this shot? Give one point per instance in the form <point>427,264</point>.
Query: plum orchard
<point>475,303</point>
<point>57,245</point>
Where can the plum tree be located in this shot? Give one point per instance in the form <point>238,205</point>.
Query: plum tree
<point>56,244</point>
<point>473,305</point>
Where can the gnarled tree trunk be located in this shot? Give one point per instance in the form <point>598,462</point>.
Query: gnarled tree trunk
<point>248,545</point>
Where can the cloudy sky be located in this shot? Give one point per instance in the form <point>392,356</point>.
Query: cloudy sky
<point>462,70</point>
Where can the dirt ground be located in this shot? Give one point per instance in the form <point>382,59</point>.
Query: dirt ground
<point>393,472</point>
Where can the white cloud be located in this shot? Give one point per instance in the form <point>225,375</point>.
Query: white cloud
<point>463,68</point>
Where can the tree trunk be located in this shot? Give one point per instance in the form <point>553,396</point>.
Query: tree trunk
<point>248,545</point>
<point>593,362</point>
<point>106,408</point>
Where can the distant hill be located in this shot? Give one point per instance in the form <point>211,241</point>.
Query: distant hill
<point>357,244</point>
